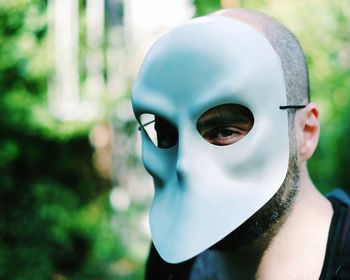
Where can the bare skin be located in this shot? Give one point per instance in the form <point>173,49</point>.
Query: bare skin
<point>298,250</point>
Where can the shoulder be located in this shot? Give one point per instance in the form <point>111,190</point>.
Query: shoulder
<point>337,261</point>
<point>339,194</point>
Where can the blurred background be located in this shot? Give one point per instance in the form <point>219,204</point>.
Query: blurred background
<point>73,194</point>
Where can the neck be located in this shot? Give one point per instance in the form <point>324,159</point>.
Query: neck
<point>293,250</point>
<point>298,250</point>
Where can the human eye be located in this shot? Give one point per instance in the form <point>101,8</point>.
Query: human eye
<point>225,124</point>
<point>223,136</point>
<point>161,132</point>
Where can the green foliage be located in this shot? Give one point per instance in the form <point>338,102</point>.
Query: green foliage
<point>204,7</point>
<point>55,220</point>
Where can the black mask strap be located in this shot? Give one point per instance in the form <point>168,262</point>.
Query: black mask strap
<point>292,107</point>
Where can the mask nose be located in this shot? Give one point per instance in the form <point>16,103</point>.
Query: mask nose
<point>183,164</point>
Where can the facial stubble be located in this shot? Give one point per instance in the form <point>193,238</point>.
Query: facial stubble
<point>265,223</point>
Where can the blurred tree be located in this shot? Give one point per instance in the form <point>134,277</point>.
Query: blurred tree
<point>55,219</point>
<point>204,7</point>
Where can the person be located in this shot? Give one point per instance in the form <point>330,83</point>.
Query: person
<point>227,128</point>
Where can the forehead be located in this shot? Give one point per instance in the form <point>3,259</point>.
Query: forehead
<point>207,62</point>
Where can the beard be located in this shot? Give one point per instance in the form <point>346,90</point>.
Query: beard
<point>266,222</point>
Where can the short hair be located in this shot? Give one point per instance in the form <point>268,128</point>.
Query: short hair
<point>286,46</point>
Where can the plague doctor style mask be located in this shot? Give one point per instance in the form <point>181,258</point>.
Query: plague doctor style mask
<point>198,83</point>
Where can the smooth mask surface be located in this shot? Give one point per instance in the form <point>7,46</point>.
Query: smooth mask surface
<point>203,191</point>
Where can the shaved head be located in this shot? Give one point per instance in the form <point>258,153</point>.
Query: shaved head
<point>286,46</point>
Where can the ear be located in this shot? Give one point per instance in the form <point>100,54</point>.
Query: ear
<point>310,131</point>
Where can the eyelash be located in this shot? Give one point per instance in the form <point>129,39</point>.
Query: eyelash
<point>215,131</point>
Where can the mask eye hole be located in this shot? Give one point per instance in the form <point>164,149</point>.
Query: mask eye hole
<point>225,124</point>
<point>162,133</point>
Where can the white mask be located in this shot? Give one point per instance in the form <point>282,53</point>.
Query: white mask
<point>202,191</point>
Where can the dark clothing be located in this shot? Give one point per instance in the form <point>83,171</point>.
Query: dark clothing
<point>158,269</point>
<point>337,261</point>
<point>336,264</point>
